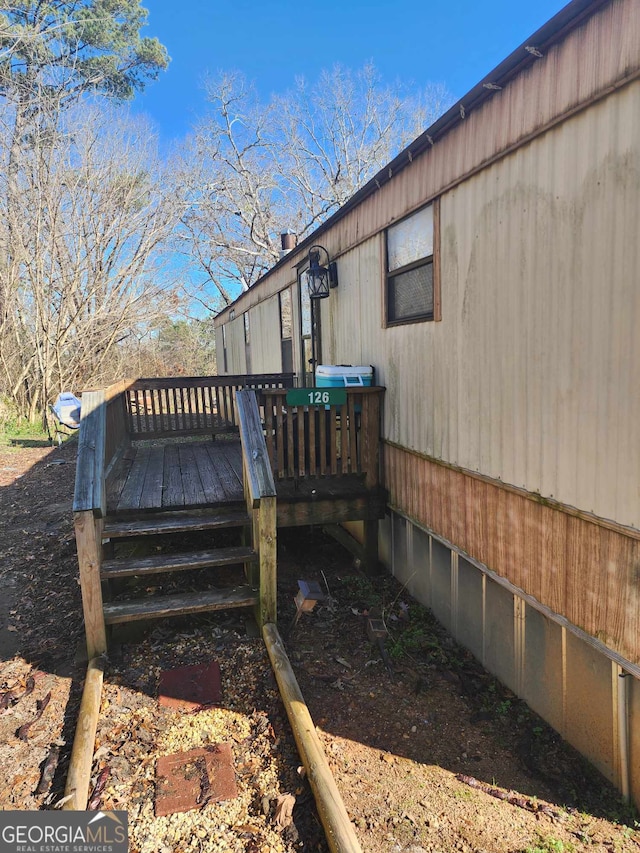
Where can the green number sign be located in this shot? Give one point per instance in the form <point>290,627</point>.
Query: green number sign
<point>316,396</point>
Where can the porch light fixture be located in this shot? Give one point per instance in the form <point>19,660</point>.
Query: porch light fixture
<point>320,278</point>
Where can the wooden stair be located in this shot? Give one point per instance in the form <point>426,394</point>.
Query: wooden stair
<point>175,522</point>
<point>176,562</point>
<point>179,605</point>
<point>172,557</point>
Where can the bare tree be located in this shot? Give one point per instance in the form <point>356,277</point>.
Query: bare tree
<point>94,219</point>
<point>53,54</point>
<point>256,170</point>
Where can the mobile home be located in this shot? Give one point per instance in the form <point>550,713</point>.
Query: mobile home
<point>491,275</point>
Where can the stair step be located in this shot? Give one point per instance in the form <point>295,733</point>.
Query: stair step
<point>158,563</point>
<point>179,605</point>
<point>174,524</point>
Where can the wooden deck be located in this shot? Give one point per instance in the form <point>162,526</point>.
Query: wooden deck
<point>171,476</point>
<point>158,460</point>
<point>176,475</point>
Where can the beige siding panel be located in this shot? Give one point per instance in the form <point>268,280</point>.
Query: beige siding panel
<point>540,261</point>
<point>264,320</point>
<point>532,375</point>
<point>236,359</point>
<point>219,351</point>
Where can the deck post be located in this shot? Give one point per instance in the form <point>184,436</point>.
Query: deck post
<point>88,543</point>
<point>267,549</point>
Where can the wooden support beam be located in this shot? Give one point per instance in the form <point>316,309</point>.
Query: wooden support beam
<point>267,550</point>
<point>79,775</point>
<point>341,835</point>
<point>337,532</point>
<point>88,544</point>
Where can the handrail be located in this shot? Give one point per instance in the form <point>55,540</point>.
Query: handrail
<point>254,449</point>
<point>252,380</point>
<point>260,495</point>
<point>89,494</point>
<point>165,407</point>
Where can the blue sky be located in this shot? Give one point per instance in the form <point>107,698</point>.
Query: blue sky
<point>456,43</point>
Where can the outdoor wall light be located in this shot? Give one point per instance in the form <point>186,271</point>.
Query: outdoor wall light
<point>320,278</point>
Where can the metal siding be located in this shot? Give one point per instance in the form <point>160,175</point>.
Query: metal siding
<point>441,603</point>
<point>634,738</point>
<point>419,583</point>
<point>589,705</point>
<point>219,351</point>
<point>470,617</point>
<point>592,59</point>
<point>532,375</point>
<point>266,352</point>
<point>499,641</point>
<point>542,682</point>
<point>236,359</point>
<point>544,254</point>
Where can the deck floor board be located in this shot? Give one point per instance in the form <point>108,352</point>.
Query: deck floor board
<point>176,476</point>
<point>208,474</point>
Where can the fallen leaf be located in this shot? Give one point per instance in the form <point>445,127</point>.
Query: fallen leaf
<point>284,810</point>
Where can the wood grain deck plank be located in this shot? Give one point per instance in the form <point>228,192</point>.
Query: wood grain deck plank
<point>173,494</point>
<point>211,483</point>
<point>230,477</point>
<point>117,479</point>
<point>154,479</point>
<point>191,484</point>
<point>131,494</point>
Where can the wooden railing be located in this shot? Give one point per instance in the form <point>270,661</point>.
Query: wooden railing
<point>320,441</point>
<point>162,408</point>
<point>260,494</point>
<point>89,509</point>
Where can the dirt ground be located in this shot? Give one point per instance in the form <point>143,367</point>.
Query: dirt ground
<point>429,752</point>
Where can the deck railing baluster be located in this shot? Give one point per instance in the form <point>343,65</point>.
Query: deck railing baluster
<point>290,445</point>
<point>323,441</point>
<point>333,439</point>
<point>313,456</point>
<point>268,423</point>
<point>303,415</point>
<point>344,440</point>
<point>353,449</point>
<point>280,437</point>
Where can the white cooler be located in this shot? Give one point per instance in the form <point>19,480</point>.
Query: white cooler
<point>343,375</point>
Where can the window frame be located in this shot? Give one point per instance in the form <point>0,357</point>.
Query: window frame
<point>435,315</point>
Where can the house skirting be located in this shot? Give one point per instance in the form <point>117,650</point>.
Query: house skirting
<point>516,581</point>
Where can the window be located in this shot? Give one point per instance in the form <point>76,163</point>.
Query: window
<point>306,342</point>
<point>224,349</point>
<point>247,341</point>
<point>411,280</point>
<point>286,331</point>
